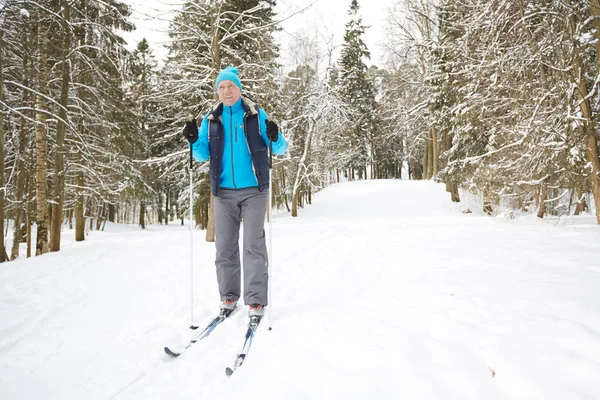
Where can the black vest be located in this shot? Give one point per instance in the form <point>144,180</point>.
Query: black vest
<point>256,144</point>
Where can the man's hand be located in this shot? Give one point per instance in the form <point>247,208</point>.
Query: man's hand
<point>272,131</point>
<point>190,132</point>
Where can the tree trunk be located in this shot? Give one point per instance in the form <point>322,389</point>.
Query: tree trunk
<point>284,195</point>
<point>210,228</point>
<point>451,185</point>
<point>159,208</point>
<point>111,212</point>
<point>21,172</point>
<point>41,144</point>
<point>434,147</point>
<point>295,205</point>
<point>101,214</point>
<point>79,219</point>
<point>301,169</point>
<point>90,215</point>
<point>543,197</point>
<point>594,159</point>
<point>588,126</point>
<point>372,166</point>
<point>426,157</point>
<point>142,220</point>
<point>29,217</point>
<point>59,187</point>
<point>2,188</point>
<point>430,160</point>
<point>205,212</point>
<point>580,207</point>
<point>435,153</point>
<point>167,207</point>
<point>452,188</point>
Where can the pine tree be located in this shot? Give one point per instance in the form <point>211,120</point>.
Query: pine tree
<point>387,133</point>
<point>444,86</point>
<point>143,90</point>
<point>358,92</point>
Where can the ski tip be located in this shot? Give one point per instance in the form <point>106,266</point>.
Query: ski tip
<point>193,327</point>
<point>228,371</point>
<point>171,352</point>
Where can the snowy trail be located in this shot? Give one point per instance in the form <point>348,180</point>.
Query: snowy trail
<point>381,289</point>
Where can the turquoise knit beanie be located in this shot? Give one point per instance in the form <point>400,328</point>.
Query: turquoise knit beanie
<point>229,74</point>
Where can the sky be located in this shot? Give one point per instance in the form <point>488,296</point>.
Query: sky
<point>381,289</point>
<point>328,16</point>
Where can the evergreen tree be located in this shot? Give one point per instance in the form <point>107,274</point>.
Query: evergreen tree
<point>444,86</point>
<point>387,134</point>
<point>143,90</point>
<point>357,91</point>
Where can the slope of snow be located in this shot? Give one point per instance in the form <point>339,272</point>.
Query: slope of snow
<point>381,289</point>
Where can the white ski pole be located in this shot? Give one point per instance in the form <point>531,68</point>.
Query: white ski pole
<point>270,268</point>
<point>192,326</point>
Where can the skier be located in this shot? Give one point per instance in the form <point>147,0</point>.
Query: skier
<point>235,135</point>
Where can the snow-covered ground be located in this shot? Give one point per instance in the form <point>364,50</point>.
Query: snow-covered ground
<point>381,290</point>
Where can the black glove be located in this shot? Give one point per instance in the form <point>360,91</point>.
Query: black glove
<point>272,131</point>
<point>190,132</point>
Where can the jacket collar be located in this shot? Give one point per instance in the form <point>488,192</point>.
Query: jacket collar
<point>249,107</point>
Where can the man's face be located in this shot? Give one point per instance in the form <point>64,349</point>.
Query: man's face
<point>229,93</point>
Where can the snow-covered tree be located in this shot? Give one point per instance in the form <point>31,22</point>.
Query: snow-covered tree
<point>312,112</point>
<point>357,91</point>
<point>144,87</point>
<point>65,85</point>
<point>3,255</point>
<point>389,126</point>
<point>510,99</point>
<point>410,94</point>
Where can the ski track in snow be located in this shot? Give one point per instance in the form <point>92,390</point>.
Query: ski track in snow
<point>381,289</point>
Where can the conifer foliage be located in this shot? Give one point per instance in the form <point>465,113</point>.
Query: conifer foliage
<point>356,90</point>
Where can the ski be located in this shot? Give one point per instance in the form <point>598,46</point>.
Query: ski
<point>177,351</point>
<point>241,356</point>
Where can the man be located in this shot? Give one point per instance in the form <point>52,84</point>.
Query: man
<point>236,135</point>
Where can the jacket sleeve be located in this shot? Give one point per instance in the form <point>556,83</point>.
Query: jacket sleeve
<point>200,149</point>
<point>280,146</point>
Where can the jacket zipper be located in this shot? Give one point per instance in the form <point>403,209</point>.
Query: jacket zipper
<point>231,140</point>
<point>250,150</point>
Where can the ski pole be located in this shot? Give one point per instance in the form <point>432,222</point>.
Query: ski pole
<point>270,269</point>
<point>192,326</point>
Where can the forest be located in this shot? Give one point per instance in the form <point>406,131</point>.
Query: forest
<point>494,97</point>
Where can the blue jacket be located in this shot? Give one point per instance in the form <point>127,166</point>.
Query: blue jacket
<point>229,137</point>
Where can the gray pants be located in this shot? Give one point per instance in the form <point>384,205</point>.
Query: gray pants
<point>231,206</point>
